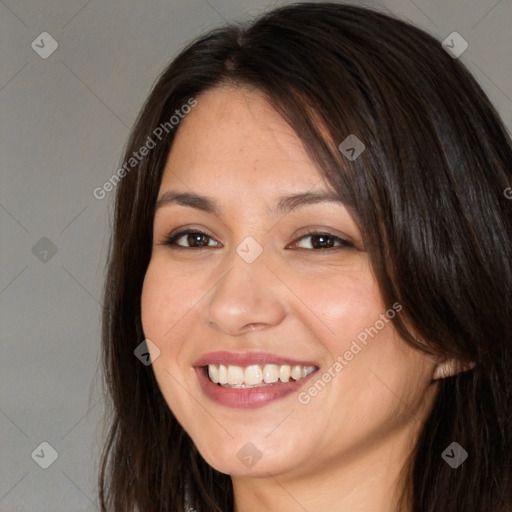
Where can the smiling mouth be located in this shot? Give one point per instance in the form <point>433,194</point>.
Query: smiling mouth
<point>254,376</point>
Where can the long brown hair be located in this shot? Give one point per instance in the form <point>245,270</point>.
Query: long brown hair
<point>428,194</point>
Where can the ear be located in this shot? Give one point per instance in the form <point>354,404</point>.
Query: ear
<point>450,367</point>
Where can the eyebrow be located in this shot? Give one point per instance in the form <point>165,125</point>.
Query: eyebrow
<point>285,204</point>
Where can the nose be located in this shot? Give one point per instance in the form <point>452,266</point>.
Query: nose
<point>246,298</point>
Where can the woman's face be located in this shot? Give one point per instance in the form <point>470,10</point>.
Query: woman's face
<point>257,296</point>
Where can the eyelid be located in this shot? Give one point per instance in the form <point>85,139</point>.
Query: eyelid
<point>170,239</point>
<point>312,231</point>
<point>345,242</point>
<point>178,233</point>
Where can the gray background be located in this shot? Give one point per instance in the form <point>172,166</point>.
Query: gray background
<point>64,123</point>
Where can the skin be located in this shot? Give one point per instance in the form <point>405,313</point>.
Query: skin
<point>344,450</point>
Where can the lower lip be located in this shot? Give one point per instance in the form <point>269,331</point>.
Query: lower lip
<point>248,397</point>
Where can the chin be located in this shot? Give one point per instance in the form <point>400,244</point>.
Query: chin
<point>254,456</point>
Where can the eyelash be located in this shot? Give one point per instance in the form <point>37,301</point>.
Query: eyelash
<point>170,240</point>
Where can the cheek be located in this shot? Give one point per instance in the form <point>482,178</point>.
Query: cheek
<point>164,322</point>
<point>164,314</point>
<point>166,299</point>
<point>375,364</point>
<point>154,302</point>
<point>345,301</point>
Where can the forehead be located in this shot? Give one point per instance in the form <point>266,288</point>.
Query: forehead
<point>234,137</point>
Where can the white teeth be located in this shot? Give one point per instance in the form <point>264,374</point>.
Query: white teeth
<point>296,372</point>
<point>254,375</point>
<point>284,373</point>
<point>235,375</point>
<point>223,374</point>
<point>213,373</point>
<point>307,370</point>
<point>271,373</point>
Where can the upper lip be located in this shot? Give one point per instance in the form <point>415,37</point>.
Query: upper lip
<point>247,359</point>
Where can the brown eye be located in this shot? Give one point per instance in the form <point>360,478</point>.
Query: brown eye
<point>190,240</point>
<point>322,241</point>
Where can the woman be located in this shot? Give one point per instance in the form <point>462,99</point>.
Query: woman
<point>312,248</point>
